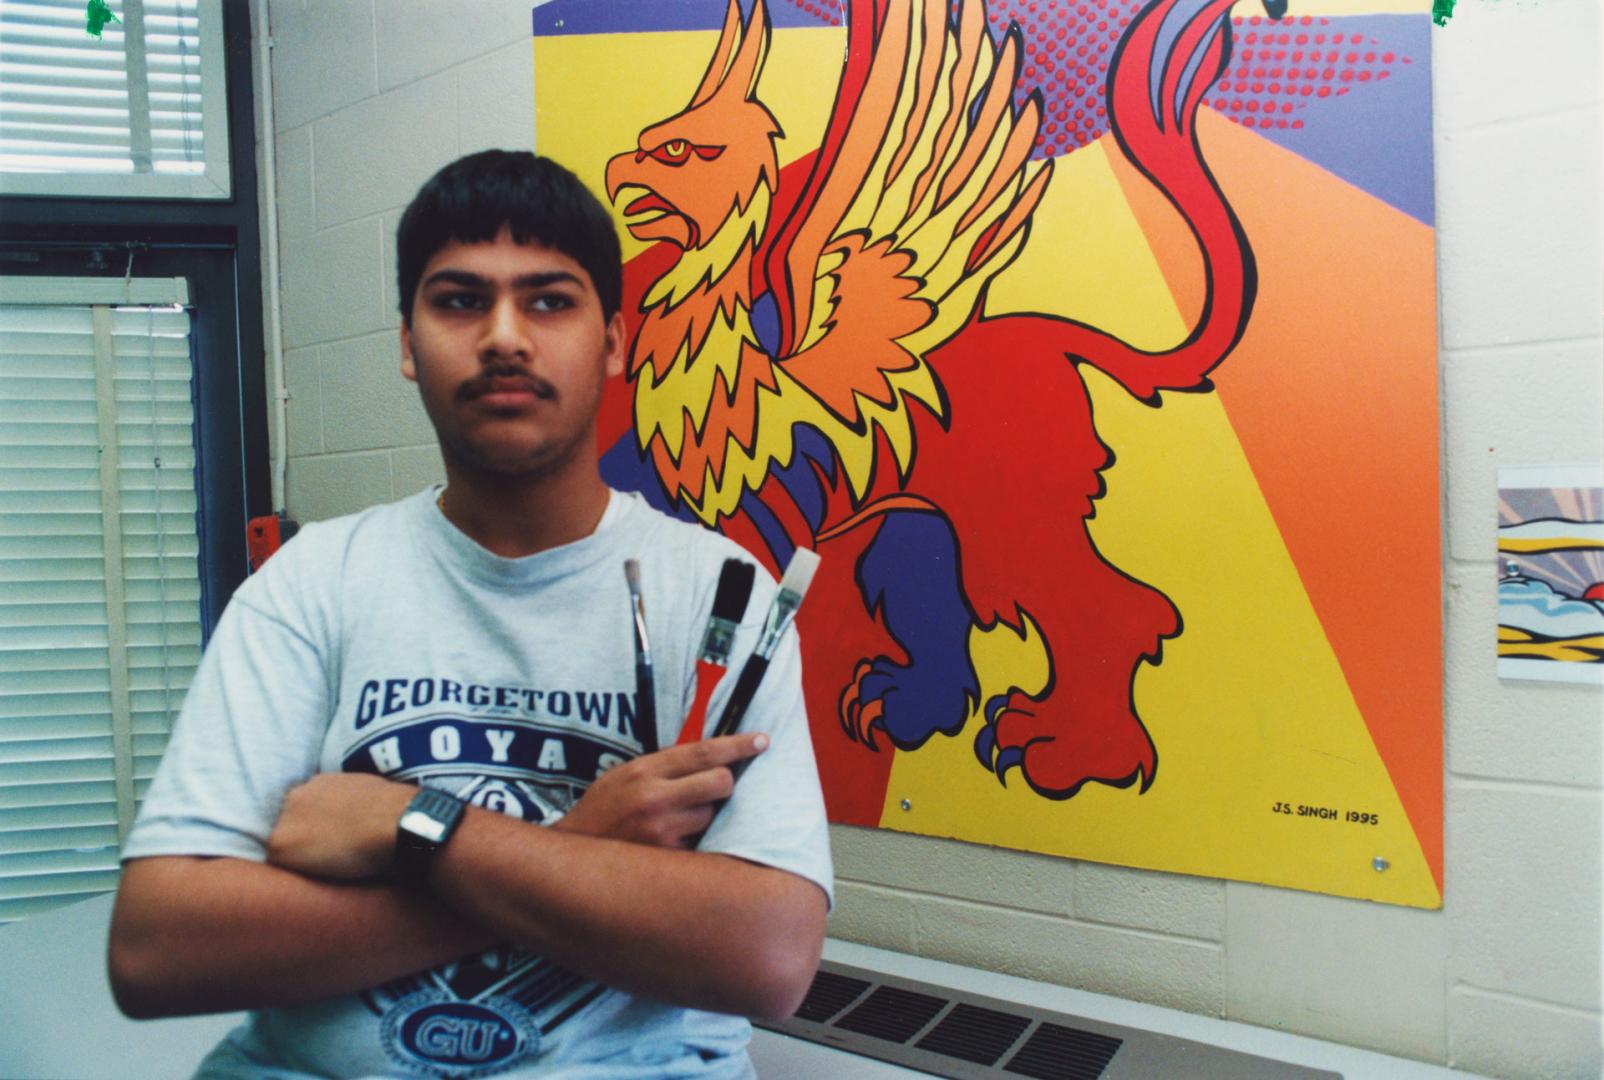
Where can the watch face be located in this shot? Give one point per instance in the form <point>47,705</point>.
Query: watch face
<point>420,824</point>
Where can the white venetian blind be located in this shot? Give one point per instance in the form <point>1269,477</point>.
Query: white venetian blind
<point>100,624</point>
<point>136,112</point>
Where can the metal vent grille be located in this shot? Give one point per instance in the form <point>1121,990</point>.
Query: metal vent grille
<point>892,1014</point>
<point>829,994</point>
<point>964,1036</point>
<point>971,1033</point>
<point>1061,1053</point>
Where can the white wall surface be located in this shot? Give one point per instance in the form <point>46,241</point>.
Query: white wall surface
<point>371,97</point>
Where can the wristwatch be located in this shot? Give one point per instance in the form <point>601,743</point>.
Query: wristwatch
<point>428,822</point>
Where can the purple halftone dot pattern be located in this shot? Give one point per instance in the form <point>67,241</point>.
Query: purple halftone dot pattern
<point>1282,66</point>
<point>1279,67</point>
<point>829,12</point>
<point>1067,48</point>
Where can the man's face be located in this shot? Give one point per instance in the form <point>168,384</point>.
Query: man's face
<point>509,348</point>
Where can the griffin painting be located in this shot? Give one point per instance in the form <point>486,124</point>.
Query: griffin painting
<point>1063,539</point>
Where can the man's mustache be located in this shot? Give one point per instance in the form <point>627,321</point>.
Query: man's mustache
<point>502,379</point>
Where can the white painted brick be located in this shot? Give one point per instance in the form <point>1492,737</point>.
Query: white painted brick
<point>1349,970</point>
<point>1522,891</point>
<point>303,413</point>
<point>872,916</point>
<point>367,404</point>
<point>373,156</point>
<point>415,468</point>
<point>1501,61</point>
<point>496,100</point>
<point>328,485</point>
<point>1519,231</point>
<point>1142,967</point>
<point>953,868</point>
<point>1145,900</point>
<point>420,37</point>
<point>1511,730</point>
<point>331,284</point>
<point>322,58</point>
<point>297,216</point>
<point>1539,404</point>
<point>1494,1035</point>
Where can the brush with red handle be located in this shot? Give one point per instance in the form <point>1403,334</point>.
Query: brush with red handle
<point>729,607</point>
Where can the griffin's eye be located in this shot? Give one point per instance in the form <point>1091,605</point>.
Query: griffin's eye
<point>678,151</point>
<point>673,152</point>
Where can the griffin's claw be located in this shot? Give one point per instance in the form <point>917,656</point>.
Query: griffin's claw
<point>994,708</point>
<point>1007,758</point>
<point>1275,8</point>
<point>985,743</point>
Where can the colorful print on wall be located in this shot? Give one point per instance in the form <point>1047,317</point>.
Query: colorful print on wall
<point>1551,573</point>
<point>1092,346</point>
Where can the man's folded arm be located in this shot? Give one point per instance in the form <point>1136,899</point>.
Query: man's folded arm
<point>611,893</point>
<point>697,929</point>
<point>202,935</point>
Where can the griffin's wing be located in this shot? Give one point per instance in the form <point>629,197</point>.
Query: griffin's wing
<point>920,193</point>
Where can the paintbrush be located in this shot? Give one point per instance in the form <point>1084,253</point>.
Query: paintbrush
<point>645,684</point>
<point>793,587</point>
<point>729,607</point>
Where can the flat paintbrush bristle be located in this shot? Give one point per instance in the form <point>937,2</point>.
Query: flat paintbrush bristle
<point>734,590</point>
<point>799,573</point>
<point>632,575</point>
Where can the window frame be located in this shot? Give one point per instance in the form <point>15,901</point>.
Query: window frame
<point>212,183</point>
<point>216,245</point>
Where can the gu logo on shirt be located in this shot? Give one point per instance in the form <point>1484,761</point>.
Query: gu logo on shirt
<point>528,754</point>
<point>478,1014</point>
<point>458,1038</point>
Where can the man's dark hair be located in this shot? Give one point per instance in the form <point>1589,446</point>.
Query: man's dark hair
<point>469,201</point>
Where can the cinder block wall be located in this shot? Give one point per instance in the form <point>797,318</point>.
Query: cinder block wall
<point>371,97</point>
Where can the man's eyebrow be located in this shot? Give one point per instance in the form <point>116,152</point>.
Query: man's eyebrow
<point>551,277</point>
<point>469,279</point>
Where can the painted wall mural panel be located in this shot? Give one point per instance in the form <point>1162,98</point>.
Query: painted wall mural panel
<point>1551,573</point>
<point>1093,346</point>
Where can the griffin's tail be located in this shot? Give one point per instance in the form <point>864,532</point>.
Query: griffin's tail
<point>1172,53</point>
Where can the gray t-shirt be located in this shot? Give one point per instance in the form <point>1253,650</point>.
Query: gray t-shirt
<point>390,642</point>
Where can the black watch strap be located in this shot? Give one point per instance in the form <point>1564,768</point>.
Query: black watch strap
<point>428,822</point>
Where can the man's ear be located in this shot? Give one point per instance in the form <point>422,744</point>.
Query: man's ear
<point>616,345</point>
<point>409,366</point>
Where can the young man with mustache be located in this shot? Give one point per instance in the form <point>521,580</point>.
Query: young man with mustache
<point>464,659</point>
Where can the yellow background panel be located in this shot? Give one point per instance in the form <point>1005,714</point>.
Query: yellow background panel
<point>583,128</point>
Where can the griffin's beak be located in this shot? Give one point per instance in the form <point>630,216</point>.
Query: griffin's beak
<point>617,174</point>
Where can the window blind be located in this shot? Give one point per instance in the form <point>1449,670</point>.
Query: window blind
<point>100,618</point>
<point>137,112</point>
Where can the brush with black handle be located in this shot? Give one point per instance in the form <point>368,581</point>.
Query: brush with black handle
<point>782,611</point>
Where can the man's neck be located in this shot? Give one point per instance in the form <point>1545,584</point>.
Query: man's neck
<point>513,517</point>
